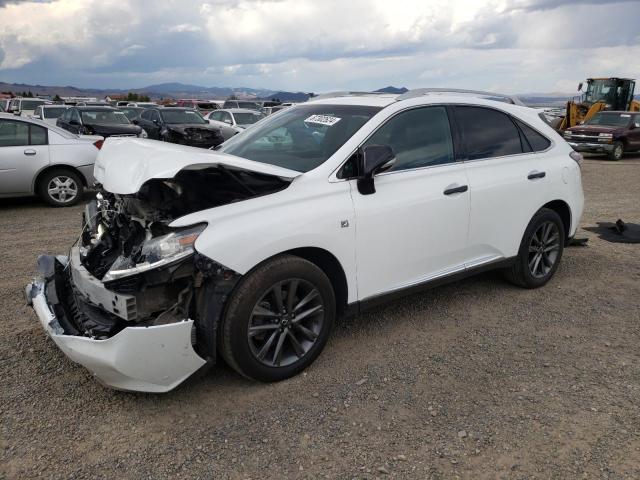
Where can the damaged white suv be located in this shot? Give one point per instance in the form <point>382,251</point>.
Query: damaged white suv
<point>251,252</point>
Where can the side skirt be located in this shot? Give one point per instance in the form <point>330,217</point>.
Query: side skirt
<point>361,306</point>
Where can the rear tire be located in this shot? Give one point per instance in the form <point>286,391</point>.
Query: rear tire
<point>540,251</point>
<point>278,319</point>
<point>617,152</point>
<point>60,187</point>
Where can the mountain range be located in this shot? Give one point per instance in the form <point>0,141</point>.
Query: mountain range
<point>180,90</point>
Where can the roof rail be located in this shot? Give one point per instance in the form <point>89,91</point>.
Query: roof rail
<point>418,92</point>
<point>338,94</point>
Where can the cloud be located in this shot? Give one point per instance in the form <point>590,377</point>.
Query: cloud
<point>312,45</point>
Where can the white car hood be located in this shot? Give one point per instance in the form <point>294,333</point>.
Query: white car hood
<point>124,164</point>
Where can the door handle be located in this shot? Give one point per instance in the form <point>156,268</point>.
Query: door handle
<point>29,152</point>
<point>452,190</point>
<point>533,175</point>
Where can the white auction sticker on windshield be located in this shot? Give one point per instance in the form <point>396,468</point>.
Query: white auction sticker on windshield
<point>323,120</point>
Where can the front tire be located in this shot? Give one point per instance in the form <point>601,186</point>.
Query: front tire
<point>617,152</point>
<point>278,319</point>
<point>540,250</point>
<point>61,188</point>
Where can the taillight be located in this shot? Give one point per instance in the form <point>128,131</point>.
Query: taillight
<point>577,157</point>
<point>98,144</point>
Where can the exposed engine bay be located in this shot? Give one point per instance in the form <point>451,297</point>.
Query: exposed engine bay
<point>130,268</point>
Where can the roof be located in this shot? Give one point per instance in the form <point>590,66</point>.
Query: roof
<point>443,95</point>
<point>93,108</point>
<point>371,100</point>
<point>238,110</point>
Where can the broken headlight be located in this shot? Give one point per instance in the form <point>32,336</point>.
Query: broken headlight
<point>157,252</point>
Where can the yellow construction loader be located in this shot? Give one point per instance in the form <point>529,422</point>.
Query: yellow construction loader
<point>601,94</point>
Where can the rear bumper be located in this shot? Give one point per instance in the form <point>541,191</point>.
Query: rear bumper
<point>146,359</point>
<point>591,147</point>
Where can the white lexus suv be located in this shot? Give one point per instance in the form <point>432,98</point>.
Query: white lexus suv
<point>251,252</point>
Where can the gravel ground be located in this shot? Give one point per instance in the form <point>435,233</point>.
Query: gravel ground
<point>477,379</point>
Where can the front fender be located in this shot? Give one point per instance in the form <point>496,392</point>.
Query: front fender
<point>243,234</point>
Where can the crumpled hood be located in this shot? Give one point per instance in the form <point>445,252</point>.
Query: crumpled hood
<point>124,164</point>
<point>111,129</point>
<point>183,128</point>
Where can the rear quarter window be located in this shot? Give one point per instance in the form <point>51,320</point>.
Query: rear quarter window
<point>536,141</point>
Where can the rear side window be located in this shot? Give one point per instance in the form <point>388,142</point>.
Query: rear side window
<point>536,141</point>
<point>38,135</point>
<point>419,138</point>
<point>15,134</point>
<point>487,133</point>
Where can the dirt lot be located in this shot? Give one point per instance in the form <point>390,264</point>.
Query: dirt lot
<point>477,379</point>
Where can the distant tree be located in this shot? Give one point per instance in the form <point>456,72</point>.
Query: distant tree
<point>57,98</point>
<point>30,95</point>
<point>232,97</point>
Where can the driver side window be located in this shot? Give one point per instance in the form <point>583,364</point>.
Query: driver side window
<point>420,137</point>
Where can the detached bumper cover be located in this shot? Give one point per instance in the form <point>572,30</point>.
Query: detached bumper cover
<point>145,359</point>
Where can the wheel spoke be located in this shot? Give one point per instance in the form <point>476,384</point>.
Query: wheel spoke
<point>265,348</point>
<point>309,334</point>
<point>277,296</point>
<point>310,296</point>
<point>536,264</point>
<point>296,344</point>
<point>301,316</point>
<point>291,294</point>
<point>535,238</point>
<point>261,311</point>
<point>277,354</point>
<point>253,331</point>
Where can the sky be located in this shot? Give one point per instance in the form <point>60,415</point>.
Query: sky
<point>511,46</point>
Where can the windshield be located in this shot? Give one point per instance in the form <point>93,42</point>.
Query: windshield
<point>54,112</point>
<point>247,118</point>
<point>206,106</point>
<point>31,104</point>
<point>107,117</point>
<point>300,138</point>
<point>601,90</point>
<point>182,116</point>
<point>610,119</point>
<point>250,105</point>
<point>131,112</point>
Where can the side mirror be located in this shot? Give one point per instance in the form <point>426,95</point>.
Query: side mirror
<point>16,111</point>
<point>580,87</point>
<point>135,121</point>
<point>373,159</point>
<point>636,125</point>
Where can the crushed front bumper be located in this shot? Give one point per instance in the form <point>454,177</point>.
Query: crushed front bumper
<point>591,147</point>
<point>145,359</point>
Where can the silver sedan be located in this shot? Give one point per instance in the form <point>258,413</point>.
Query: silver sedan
<point>40,159</point>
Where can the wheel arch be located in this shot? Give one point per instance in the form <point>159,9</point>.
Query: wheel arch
<point>57,166</point>
<point>564,211</point>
